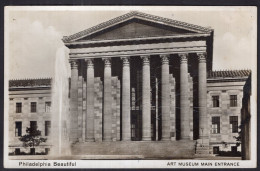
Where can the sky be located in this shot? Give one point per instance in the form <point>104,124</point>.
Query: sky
<point>33,34</point>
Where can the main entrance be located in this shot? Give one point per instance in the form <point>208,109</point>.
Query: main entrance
<point>136,98</point>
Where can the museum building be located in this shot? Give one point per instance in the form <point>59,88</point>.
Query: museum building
<point>139,78</point>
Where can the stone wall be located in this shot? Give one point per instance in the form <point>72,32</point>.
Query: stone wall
<point>225,139</point>
<point>172,108</point>
<point>115,109</point>
<point>190,91</point>
<point>98,109</point>
<point>26,97</point>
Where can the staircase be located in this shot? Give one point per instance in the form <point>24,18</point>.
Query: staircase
<point>183,149</point>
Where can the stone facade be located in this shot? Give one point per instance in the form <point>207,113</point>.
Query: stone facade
<point>172,108</point>
<point>225,87</point>
<point>98,109</point>
<point>216,86</point>
<point>26,92</point>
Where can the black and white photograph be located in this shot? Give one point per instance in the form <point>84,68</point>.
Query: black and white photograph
<point>130,87</point>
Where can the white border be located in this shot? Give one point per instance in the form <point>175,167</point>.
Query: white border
<point>128,163</point>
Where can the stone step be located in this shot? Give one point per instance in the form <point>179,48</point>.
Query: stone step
<point>202,152</point>
<point>147,149</point>
<point>204,155</point>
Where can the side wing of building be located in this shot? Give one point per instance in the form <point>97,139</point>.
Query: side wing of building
<point>224,97</point>
<point>29,105</point>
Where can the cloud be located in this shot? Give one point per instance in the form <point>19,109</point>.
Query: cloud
<point>32,49</point>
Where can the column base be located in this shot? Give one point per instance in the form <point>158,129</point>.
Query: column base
<point>90,140</point>
<point>107,140</point>
<point>173,138</point>
<point>127,139</point>
<point>146,139</point>
<point>185,138</point>
<point>165,139</point>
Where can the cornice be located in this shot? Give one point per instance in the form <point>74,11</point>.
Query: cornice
<point>30,84</point>
<point>110,41</point>
<point>137,15</point>
<point>219,80</point>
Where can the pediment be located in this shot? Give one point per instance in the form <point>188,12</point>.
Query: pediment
<point>135,29</point>
<point>135,25</point>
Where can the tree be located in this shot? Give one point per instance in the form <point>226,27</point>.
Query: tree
<point>239,137</point>
<point>32,137</point>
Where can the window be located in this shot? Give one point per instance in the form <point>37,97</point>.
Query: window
<point>233,149</point>
<point>33,107</point>
<point>215,100</point>
<point>32,151</point>
<point>47,150</point>
<point>18,107</point>
<point>233,124</point>
<point>215,125</point>
<point>33,124</point>
<point>17,151</point>
<point>47,127</point>
<point>233,100</point>
<point>18,129</point>
<point>47,106</point>
<point>216,150</point>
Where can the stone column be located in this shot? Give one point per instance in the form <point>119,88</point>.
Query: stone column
<point>146,100</point>
<point>165,96</point>
<point>184,97</point>
<point>126,115</point>
<point>157,116</point>
<point>107,121</point>
<point>203,119</point>
<point>90,101</point>
<point>74,101</point>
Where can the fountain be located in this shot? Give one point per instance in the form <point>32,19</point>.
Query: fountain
<point>60,107</point>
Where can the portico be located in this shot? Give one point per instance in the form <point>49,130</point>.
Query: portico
<point>135,76</point>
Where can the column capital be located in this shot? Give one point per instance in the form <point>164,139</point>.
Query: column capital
<point>107,62</point>
<point>165,58</point>
<point>183,57</point>
<point>125,61</point>
<point>202,57</point>
<point>90,62</point>
<point>146,59</point>
<point>73,63</point>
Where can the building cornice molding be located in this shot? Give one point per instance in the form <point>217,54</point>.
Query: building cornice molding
<point>229,74</point>
<point>220,80</point>
<point>110,41</point>
<point>30,83</point>
<point>30,88</point>
<point>137,15</point>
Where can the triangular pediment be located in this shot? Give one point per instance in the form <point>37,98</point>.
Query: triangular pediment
<point>135,29</point>
<point>135,25</point>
